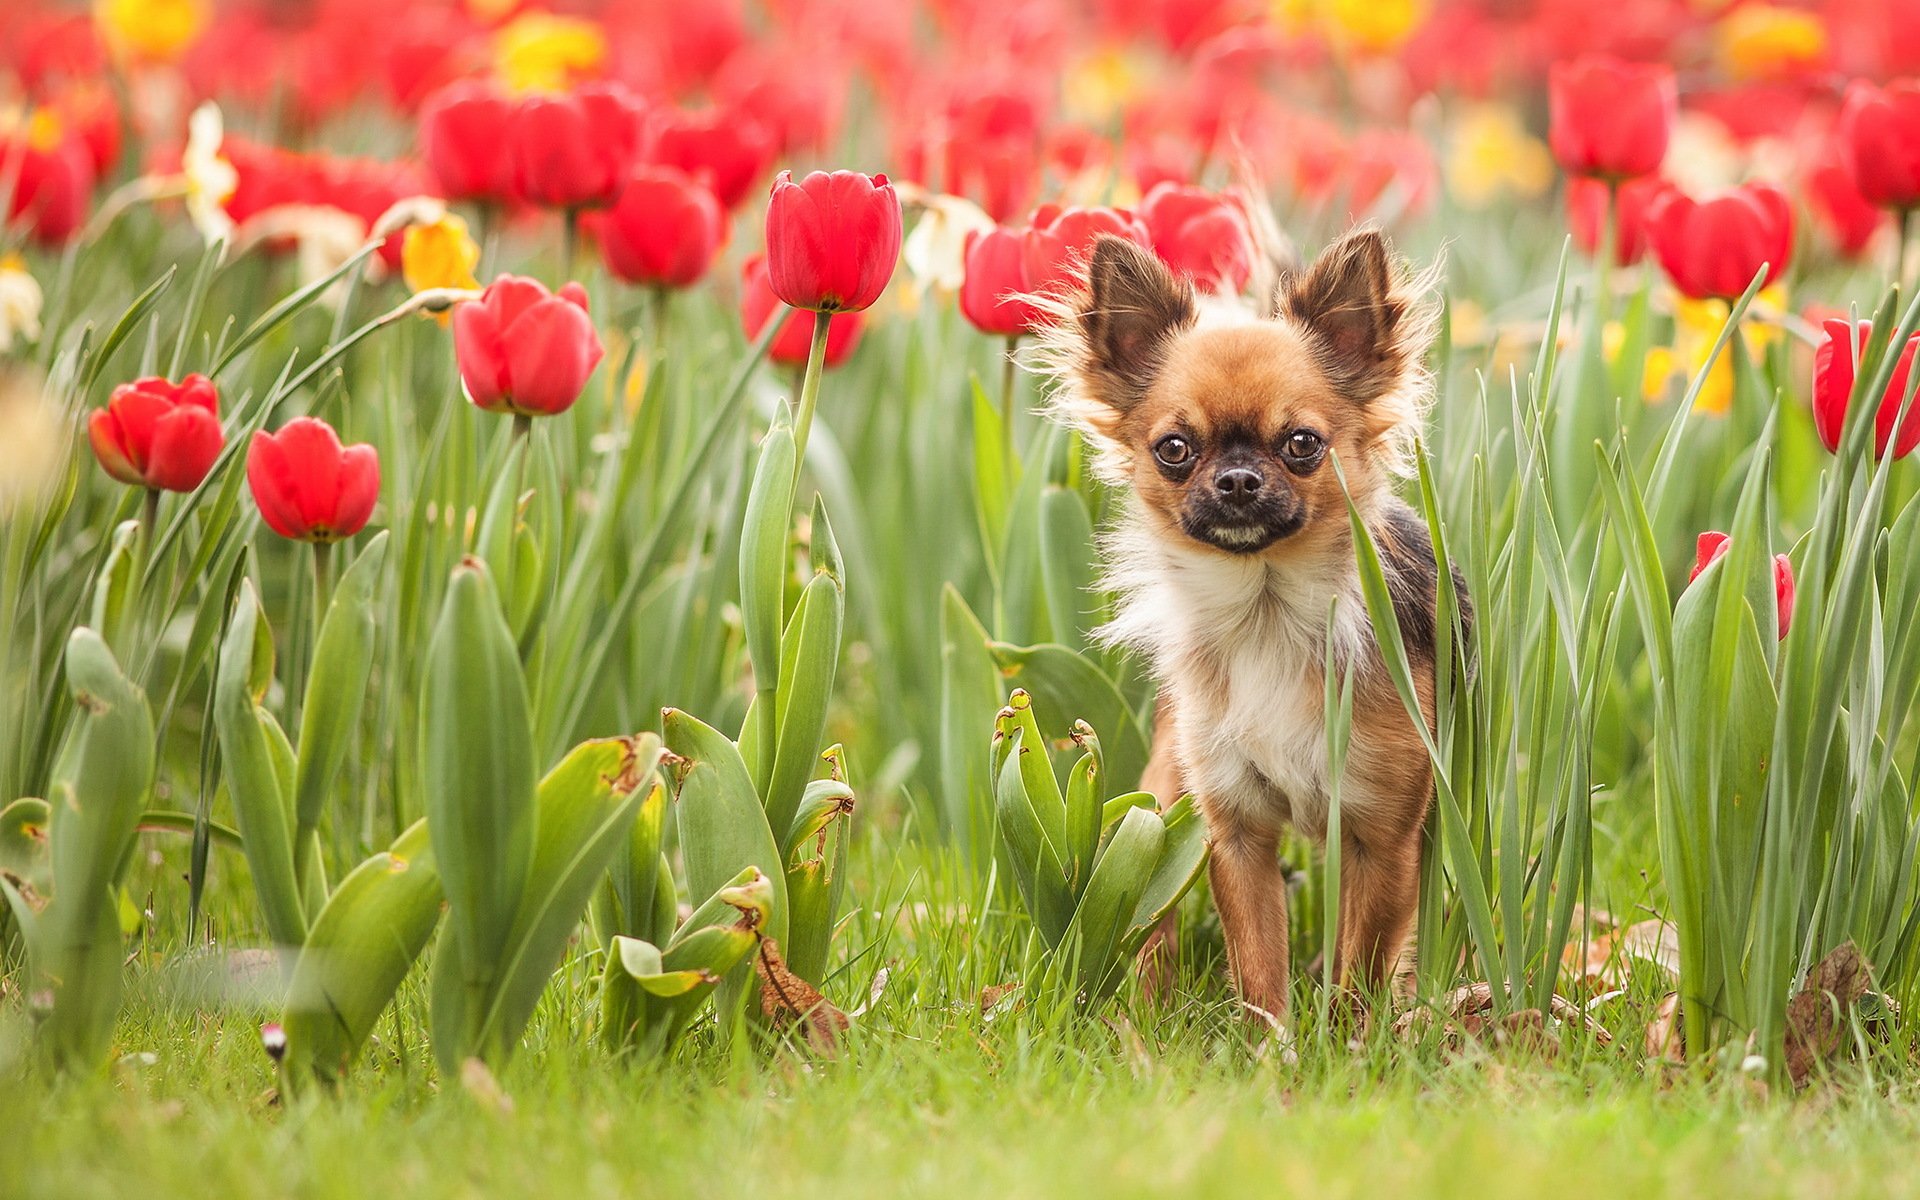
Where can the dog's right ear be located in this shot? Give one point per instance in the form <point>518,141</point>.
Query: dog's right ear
<point>1132,309</point>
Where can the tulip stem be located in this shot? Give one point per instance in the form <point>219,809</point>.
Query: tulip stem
<point>810,385</point>
<point>1008,378</point>
<point>1903,222</point>
<point>569,241</point>
<point>322,584</point>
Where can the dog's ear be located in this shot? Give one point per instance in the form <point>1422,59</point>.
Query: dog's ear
<point>1132,309</point>
<point>1349,303</point>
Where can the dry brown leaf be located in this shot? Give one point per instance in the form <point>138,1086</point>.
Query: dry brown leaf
<point>785,998</point>
<point>992,997</point>
<point>1666,1037</point>
<point>477,1081</point>
<point>1467,1012</point>
<point>1816,1017</point>
<point>1609,954</point>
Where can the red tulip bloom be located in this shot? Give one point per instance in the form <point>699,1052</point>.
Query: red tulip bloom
<point>1714,247</point>
<point>1833,378</point>
<point>575,150</point>
<point>664,231</point>
<point>159,434</point>
<point>792,344</point>
<point>1849,218</point>
<point>52,176</point>
<point>523,349</point>
<point>1200,234</point>
<point>731,152</point>
<point>832,240</point>
<point>1712,545</point>
<point>1587,210</point>
<point>1609,117</point>
<point>309,487</point>
<point>1880,136</point>
<point>996,277</point>
<point>1060,242</point>
<point>463,138</point>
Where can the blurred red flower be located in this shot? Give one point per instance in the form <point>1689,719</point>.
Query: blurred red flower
<point>158,434</point>
<point>792,344</point>
<point>463,138</point>
<point>995,273</point>
<point>1200,234</point>
<point>51,170</point>
<point>575,150</point>
<point>523,349</point>
<point>1060,240</point>
<point>1587,209</point>
<point>1880,133</point>
<point>308,486</point>
<point>1848,217</point>
<point>833,240</point>
<point>1833,379</point>
<point>730,151</point>
<point>1714,247</point>
<point>1610,117</point>
<point>1712,545</point>
<point>663,231</point>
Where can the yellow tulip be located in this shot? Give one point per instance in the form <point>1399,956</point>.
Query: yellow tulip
<point>439,254</point>
<point>151,30</point>
<point>1490,155</point>
<point>544,52</point>
<point>1373,26</point>
<point>1764,42</point>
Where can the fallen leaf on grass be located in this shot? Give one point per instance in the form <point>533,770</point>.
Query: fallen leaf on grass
<point>997,997</point>
<point>1468,1012</point>
<point>1816,1016</point>
<point>1610,954</point>
<point>1666,1037</point>
<point>785,998</point>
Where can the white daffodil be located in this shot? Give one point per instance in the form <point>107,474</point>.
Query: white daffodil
<point>936,250</point>
<point>210,178</point>
<point>20,302</point>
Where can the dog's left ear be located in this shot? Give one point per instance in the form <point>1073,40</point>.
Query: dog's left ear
<point>1133,308</point>
<point>1349,305</point>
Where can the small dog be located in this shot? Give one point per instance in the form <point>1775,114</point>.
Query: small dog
<point>1235,554</point>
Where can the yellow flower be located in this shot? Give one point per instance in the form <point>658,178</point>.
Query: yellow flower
<point>1765,42</point>
<point>491,12</point>
<point>150,30</point>
<point>1490,155</point>
<point>439,254</point>
<point>1372,26</point>
<point>1098,87</point>
<point>20,303</point>
<point>544,52</point>
<point>1696,326</point>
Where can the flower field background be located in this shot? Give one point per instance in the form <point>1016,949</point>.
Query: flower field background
<point>549,641</point>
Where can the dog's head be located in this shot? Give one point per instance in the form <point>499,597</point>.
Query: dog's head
<point>1224,429</point>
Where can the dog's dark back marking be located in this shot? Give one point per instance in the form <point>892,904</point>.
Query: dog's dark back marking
<point>1406,553</point>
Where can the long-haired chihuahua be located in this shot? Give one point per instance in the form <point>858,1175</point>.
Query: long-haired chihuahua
<point>1234,567</point>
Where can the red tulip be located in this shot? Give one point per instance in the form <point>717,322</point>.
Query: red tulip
<point>575,150</point>
<point>794,341</point>
<point>523,349</point>
<point>1587,209</point>
<point>663,231</point>
<point>159,434</point>
<point>1880,136</point>
<point>463,138</point>
<point>731,152</point>
<point>1060,241</point>
<point>996,275</point>
<point>51,172</point>
<point>1715,247</point>
<point>1833,378</point>
<point>309,487</point>
<point>1712,545</point>
<point>1849,218</point>
<point>1200,234</point>
<point>1609,117</point>
<point>832,240</point>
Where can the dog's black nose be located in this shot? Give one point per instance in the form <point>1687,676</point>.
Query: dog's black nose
<point>1238,484</point>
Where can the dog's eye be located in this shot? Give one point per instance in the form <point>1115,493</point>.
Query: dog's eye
<point>1302,445</point>
<point>1173,451</point>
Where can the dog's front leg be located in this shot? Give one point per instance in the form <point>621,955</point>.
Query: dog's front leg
<point>1379,895</point>
<point>1250,892</point>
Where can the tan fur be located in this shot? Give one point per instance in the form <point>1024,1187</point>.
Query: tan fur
<point>1237,631</point>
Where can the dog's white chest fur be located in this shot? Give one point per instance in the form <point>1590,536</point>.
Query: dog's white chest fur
<point>1241,646</point>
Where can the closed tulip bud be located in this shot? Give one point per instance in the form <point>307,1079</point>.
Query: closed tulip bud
<point>1060,242</point>
<point>308,486</point>
<point>1833,379</point>
<point>1609,117</point>
<point>1712,545</point>
<point>1880,137</point>
<point>1713,248</point>
<point>158,434</point>
<point>664,231</point>
<point>463,132</point>
<point>728,150</point>
<point>996,276</point>
<point>523,349</point>
<point>575,150</point>
<point>832,239</point>
<point>790,345</point>
<point>1201,235</point>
